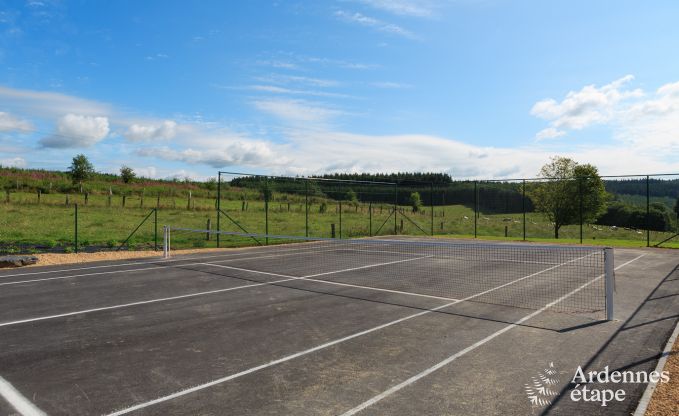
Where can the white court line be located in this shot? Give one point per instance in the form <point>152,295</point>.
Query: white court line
<point>20,403</point>
<point>319,347</point>
<point>462,257</point>
<point>329,282</point>
<point>45,279</point>
<point>472,347</point>
<point>246,251</point>
<point>189,295</point>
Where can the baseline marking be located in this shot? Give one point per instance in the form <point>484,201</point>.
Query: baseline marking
<point>18,401</point>
<point>247,251</point>
<point>17,282</point>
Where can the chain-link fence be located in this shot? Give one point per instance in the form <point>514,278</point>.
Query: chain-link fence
<point>627,211</point>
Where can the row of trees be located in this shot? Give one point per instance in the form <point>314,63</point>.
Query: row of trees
<point>571,193</point>
<point>81,169</point>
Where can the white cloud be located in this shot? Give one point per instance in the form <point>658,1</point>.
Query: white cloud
<point>77,131</point>
<point>549,133</point>
<point>146,172</point>
<point>9,122</point>
<point>250,153</point>
<point>391,85</point>
<point>14,162</point>
<point>377,24</point>
<point>282,90</point>
<point>50,104</point>
<point>296,111</point>
<point>166,129</point>
<point>589,106</point>
<point>412,8</point>
<point>298,80</point>
<point>642,121</point>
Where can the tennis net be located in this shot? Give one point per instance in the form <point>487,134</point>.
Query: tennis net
<point>571,279</point>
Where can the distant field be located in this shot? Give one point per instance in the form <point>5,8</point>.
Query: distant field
<point>26,225</point>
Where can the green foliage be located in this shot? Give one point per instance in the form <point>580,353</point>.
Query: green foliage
<point>618,214</point>
<point>127,174</point>
<point>351,196</point>
<point>211,184</point>
<point>415,201</point>
<point>81,169</point>
<point>323,208</point>
<point>569,190</point>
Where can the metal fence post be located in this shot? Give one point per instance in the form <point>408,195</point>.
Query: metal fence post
<point>306,208</point>
<point>609,270</point>
<point>523,208</point>
<point>370,219</point>
<point>219,200</point>
<point>266,209</point>
<point>648,211</point>
<point>395,208</point>
<point>76,227</point>
<point>476,206</point>
<point>431,201</point>
<point>155,229</point>
<point>340,218</point>
<point>580,197</point>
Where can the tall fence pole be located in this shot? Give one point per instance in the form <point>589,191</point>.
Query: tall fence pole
<point>431,202</point>
<point>306,208</point>
<point>219,199</point>
<point>395,208</point>
<point>340,218</point>
<point>580,197</point>
<point>267,191</point>
<point>370,219</point>
<point>155,229</point>
<point>476,206</point>
<point>523,207</point>
<point>76,227</point>
<point>648,211</point>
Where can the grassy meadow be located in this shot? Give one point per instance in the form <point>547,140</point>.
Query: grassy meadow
<point>29,223</point>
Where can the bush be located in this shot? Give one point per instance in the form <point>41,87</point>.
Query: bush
<point>623,215</point>
<point>323,208</point>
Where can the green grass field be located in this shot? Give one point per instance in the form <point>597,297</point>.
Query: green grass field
<point>29,225</point>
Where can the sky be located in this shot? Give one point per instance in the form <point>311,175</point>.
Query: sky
<point>473,88</point>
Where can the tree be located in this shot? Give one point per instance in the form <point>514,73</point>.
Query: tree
<point>81,169</point>
<point>127,174</point>
<point>415,201</point>
<point>351,196</point>
<point>211,184</point>
<point>569,193</point>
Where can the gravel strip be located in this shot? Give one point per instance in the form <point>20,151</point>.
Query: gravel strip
<point>665,400</point>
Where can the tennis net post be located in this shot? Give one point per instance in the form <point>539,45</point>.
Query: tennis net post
<point>609,278</point>
<point>166,242</point>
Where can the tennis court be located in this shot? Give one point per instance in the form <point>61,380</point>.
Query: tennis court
<point>331,327</point>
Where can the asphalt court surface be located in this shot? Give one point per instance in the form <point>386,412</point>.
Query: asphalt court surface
<point>204,334</point>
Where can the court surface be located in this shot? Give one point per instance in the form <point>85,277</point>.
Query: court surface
<point>285,330</point>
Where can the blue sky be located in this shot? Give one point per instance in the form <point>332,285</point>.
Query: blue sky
<point>475,88</point>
